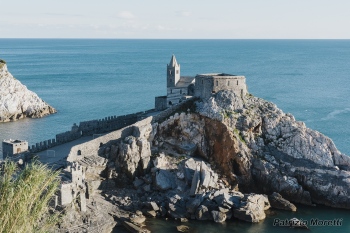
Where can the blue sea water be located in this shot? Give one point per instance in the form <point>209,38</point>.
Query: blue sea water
<point>90,79</point>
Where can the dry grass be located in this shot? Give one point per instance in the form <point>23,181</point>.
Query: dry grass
<point>24,198</point>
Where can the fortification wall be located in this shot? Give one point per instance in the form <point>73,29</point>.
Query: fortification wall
<point>91,147</point>
<point>206,85</point>
<point>88,128</point>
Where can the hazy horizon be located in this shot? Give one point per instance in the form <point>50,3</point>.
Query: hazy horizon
<point>156,19</point>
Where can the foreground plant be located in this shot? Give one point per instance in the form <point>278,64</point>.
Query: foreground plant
<point>25,196</point>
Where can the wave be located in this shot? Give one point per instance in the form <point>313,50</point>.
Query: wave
<point>335,113</point>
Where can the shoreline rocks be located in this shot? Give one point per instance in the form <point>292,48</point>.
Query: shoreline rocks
<point>17,101</point>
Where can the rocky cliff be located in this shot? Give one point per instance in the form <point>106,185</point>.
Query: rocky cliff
<point>16,101</point>
<point>216,159</point>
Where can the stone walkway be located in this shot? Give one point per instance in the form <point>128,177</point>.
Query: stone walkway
<point>58,154</point>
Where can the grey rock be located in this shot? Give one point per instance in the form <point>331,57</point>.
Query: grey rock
<point>253,208</point>
<point>218,216</point>
<point>202,213</point>
<point>195,181</point>
<point>154,206</point>
<point>164,180</point>
<point>278,202</point>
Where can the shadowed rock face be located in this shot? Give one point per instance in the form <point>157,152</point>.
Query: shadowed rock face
<point>17,101</point>
<point>263,150</point>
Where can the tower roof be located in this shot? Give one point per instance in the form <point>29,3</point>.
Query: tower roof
<point>173,61</point>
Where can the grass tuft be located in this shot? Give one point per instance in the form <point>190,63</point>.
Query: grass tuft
<point>25,196</point>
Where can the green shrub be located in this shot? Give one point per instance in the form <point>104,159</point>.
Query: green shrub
<point>24,197</point>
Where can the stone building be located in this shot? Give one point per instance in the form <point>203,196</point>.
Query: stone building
<point>10,147</point>
<point>180,88</point>
<point>208,84</point>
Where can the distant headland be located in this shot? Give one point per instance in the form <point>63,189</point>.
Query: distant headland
<point>17,101</point>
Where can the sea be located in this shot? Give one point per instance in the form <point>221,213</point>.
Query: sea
<point>86,79</point>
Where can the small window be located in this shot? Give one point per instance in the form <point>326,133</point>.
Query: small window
<point>171,91</point>
<point>170,103</point>
<point>79,152</point>
<point>237,82</point>
<point>180,91</point>
<point>177,71</point>
<point>217,83</point>
<point>170,72</point>
<point>228,83</point>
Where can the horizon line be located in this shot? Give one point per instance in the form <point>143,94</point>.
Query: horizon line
<point>97,38</point>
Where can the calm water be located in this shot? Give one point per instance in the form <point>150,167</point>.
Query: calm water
<point>90,79</point>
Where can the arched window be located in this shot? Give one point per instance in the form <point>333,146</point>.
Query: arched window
<point>170,103</point>
<point>79,152</point>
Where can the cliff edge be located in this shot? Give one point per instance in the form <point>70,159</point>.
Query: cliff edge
<point>16,101</point>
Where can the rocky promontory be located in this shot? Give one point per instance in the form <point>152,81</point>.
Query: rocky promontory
<point>16,101</point>
<point>221,158</point>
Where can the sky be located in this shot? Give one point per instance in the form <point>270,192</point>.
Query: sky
<point>176,19</point>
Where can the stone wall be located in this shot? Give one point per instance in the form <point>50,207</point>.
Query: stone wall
<point>208,84</point>
<point>89,148</point>
<point>88,128</point>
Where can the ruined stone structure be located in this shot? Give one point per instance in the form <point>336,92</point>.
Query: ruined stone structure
<point>180,88</point>
<point>73,187</point>
<point>13,147</point>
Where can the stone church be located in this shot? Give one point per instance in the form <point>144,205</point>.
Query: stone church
<point>180,88</point>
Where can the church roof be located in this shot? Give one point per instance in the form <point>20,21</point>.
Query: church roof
<point>173,61</point>
<point>185,81</point>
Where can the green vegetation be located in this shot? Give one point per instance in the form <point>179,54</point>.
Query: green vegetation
<point>2,63</point>
<point>24,197</point>
<point>236,131</point>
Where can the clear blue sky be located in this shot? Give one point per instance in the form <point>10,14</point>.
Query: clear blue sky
<point>204,19</point>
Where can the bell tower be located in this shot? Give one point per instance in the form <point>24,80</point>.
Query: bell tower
<point>173,72</point>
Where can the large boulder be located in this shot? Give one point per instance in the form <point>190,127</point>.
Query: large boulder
<point>278,202</point>
<point>252,208</point>
<point>164,180</point>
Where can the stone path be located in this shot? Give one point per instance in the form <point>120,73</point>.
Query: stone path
<point>58,154</point>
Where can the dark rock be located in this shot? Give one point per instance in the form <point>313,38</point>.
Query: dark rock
<point>278,202</point>
<point>193,204</point>
<point>202,213</point>
<point>138,182</point>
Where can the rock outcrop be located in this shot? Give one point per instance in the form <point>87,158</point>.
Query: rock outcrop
<point>16,101</point>
<point>226,157</point>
